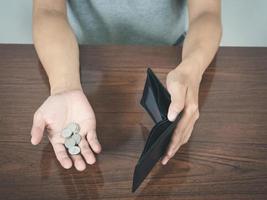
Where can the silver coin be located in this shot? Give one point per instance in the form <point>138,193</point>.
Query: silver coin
<point>66,132</point>
<point>76,137</point>
<point>77,130</point>
<point>69,142</point>
<point>74,127</point>
<point>74,150</point>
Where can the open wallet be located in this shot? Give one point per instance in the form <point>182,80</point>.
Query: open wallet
<point>155,100</point>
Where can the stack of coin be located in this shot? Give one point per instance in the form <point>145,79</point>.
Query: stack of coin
<point>72,138</point>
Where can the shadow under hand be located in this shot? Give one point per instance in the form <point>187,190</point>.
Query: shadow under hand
<point>46,161</point>
<point>82,185</point>
<point>77,185</point>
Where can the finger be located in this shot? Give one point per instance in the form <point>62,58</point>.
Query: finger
<point>165,159</point>
<point>177,137</point>
<point>93,141</point>
<point>78,162</point>
<point>178,133</point>
<point>87,152</point>
<point>191,108</point>
<point>190,127</point>
<point>171,150</point>
<point>62,155</point>
<point>178,93</point>
<point>187,134</point>
<point>37,130</point>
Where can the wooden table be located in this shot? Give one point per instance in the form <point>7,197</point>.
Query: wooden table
<point>226,157</point>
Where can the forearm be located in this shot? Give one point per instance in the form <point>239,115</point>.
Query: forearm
<point>201,43</point>
<point>57,49</point>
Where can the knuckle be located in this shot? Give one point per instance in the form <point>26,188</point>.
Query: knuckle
<point>61,155</point>
<point>192,108</point>
<point>87,152</point>
<point>84,145</point>
<point>175,138</point>
<point>89,137</point>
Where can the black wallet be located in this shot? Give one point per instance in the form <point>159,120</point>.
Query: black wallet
<point>156,100</point>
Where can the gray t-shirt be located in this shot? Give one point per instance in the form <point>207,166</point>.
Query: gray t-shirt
<point>147,22</point>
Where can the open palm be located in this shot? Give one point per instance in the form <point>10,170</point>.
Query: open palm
<point>55,114</point>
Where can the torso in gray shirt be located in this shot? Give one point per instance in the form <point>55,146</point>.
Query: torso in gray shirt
<point>147,22</point>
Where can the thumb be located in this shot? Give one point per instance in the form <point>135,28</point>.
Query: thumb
<point>174,109</point>
<point>178,93</point>
<point>38,127</point>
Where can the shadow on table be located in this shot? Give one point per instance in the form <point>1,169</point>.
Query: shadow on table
<point>112,105</point>
<point>77,185</point>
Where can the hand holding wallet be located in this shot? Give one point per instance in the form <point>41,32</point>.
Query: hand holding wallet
<point>156,100</point>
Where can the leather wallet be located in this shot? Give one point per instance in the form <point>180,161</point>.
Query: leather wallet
<point>155,100</point>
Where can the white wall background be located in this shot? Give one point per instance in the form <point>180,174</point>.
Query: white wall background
<point>244,22</point>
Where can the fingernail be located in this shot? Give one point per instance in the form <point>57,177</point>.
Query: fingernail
<point>172,115</point>
<point>164,161</point>
<point>33,142</point>
<point>91,162</point>
<point>67,165</point>
<point>98,150</point>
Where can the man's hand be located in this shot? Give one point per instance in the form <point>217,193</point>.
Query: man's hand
<point>183,85</point>
<point>56,112</point>
<point>200,45</point>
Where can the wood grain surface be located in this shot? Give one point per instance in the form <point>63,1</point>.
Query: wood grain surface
<point>226,157</point>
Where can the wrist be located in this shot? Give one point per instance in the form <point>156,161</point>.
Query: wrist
<point>64,85</point>
<point>192,69</point>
